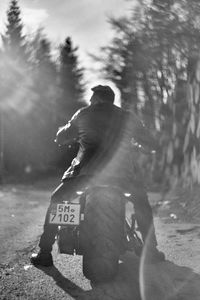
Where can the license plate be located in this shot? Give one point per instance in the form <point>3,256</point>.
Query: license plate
<point>65,214</point>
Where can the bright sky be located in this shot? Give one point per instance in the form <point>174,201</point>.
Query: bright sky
<point>85,21</point>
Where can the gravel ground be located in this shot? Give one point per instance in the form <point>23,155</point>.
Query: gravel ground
<point>22,215</point>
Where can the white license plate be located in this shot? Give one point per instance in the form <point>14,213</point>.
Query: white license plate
<point>66,214</point>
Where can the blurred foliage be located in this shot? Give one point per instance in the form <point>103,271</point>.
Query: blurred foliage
<point>37,96</point>
<point>148,59</point>
<point>191,170</point>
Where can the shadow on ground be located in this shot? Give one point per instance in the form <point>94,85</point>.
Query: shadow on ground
<point>67,285</point>
<point>161,281</point>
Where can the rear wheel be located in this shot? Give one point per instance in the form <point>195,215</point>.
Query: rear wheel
<point>102,233</point>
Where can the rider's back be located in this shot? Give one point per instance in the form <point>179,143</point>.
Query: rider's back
<point>104,135</point>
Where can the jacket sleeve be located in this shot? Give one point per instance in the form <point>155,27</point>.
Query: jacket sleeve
<point>141,134</point>
<point>68,132</point>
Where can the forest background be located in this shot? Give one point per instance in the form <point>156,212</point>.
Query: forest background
<point>153,59</point>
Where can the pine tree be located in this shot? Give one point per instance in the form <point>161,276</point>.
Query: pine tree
<point>13,40</point>
<point>14,55</point>
<point>45,72</point>
<point>70,81</point>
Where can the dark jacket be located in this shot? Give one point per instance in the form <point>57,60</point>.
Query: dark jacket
<point>104,133</point>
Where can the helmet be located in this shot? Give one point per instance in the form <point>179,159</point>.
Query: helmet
<point>104,92</point>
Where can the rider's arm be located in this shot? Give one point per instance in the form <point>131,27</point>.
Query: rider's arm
<point>68,132</point>
<point>142,135</point>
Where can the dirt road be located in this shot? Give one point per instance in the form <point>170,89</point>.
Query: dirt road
<point>22,215</point>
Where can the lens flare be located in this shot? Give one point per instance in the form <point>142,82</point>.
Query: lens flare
<point>165,280</point>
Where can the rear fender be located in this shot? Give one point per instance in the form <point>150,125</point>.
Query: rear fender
<point>109,191</point>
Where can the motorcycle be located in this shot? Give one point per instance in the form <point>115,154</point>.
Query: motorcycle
<point>99,224</point>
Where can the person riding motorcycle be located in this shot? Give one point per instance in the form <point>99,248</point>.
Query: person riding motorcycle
<point>105,134</point>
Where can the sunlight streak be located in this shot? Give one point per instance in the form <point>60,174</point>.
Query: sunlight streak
<point>17,95</point>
